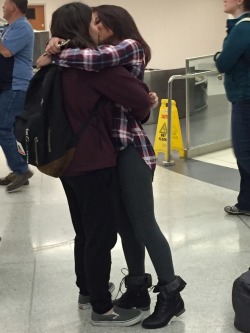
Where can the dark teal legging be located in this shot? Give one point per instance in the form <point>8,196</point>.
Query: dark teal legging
<point>138,228</point>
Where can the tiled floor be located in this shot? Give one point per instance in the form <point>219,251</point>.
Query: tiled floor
<point>210,249</point>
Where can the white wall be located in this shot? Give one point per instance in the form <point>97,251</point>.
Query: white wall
<point>175,29</point>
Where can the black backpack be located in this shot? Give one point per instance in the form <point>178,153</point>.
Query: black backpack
<point>43,132</point>
<point>241,302</point>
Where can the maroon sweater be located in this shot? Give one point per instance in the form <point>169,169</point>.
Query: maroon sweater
<point>82,90</point>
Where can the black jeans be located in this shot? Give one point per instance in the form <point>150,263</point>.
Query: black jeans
<point>241,146</point>
<point>138,228</point>
<point>93,201</point>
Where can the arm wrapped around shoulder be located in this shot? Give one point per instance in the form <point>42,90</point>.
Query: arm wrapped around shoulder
<point>120,86</point>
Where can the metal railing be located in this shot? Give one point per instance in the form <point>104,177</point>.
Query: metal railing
<point>170,98</point>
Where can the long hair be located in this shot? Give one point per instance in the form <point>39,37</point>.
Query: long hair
<point>246,4</point>
<point>122,24</point>
<point>71,21</point>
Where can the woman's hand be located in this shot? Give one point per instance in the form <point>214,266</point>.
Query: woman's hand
<point>43,60</point>
<point>53,46</point>
<point>153,99</point>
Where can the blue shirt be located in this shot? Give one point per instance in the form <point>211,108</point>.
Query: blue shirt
<point>16,71</point>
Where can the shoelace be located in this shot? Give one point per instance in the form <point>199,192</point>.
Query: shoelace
<point>123,270</point>
<point>122,282</point>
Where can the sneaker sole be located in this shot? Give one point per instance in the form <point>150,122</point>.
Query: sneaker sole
<point>126,323</point>
<point>6,184</point>
<point>19,185</point>
<point>237,213</point>
<point>15,189</point>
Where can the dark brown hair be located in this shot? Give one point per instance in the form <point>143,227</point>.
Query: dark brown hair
<point>122,24</point>
<point>71,21</point>
<point>246,4</point>
<point>21,5</point>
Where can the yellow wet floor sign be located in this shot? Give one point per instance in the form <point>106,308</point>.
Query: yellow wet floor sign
<point>161,136</point>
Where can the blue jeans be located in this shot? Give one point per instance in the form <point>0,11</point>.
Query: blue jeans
<point>11,104</point>
<point>241,146</point>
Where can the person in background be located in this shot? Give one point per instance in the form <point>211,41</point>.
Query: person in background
<point>16,59</point>
<point>123,44</point>
<point>234,61</point>
<point>90,181</point>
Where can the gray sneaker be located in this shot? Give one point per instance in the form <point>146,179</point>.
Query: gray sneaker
<point>19,180</point>
<point>83,300</point>
<point>119,318</point>
<point>233,210</point>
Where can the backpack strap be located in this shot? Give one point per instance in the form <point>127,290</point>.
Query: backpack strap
<point>53,77</point>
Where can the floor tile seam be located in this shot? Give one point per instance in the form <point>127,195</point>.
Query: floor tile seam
<point>17,263</point>
<point>32,296</point>
<point>52,246</point>
<point>245,223</point>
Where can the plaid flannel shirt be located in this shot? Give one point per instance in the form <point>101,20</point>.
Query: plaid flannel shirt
<point>130,54</point>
